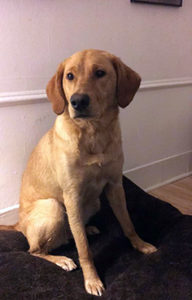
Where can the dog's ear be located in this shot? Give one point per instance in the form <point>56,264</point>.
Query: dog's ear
<point>55,91</point>
<point>128,82</point>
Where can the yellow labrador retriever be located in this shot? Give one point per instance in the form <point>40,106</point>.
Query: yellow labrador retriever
<point>78,158</point>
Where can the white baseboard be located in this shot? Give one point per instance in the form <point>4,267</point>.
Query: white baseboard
<point>161,172</point>
<point>173,179</point>
<point>9,215</point>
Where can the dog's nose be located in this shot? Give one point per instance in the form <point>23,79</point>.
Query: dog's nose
<point>79,101</point>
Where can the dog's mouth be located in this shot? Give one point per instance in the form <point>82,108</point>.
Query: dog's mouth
<point>82,116</point>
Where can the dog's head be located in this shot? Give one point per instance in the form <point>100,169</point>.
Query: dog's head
<point>90,82</point>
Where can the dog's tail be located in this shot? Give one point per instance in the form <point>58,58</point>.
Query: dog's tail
<point>9,227</point>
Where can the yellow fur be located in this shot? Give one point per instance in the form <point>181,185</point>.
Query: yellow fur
<point>77,159</point>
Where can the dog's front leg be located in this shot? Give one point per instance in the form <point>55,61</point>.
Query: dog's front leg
<point>93,284</point>
<point>116,196</point>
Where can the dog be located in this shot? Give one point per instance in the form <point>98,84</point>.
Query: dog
<point>77,159</point>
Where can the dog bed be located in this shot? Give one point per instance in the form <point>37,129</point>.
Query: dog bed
<point>126,273</point>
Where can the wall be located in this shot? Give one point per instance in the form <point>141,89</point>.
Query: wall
<point>37,35</point>
<point>153,40</point>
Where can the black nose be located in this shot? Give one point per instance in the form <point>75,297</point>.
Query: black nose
<point>79,101</point>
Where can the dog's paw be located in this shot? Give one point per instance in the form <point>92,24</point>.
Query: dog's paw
<point>92,230</point>
<point>94,286</point>
<point>147,248</point>
<point>66,263</point>
<point>144,247</point>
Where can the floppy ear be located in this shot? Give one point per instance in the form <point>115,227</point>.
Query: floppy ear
<point>55,91</point>
<point>128,82</point>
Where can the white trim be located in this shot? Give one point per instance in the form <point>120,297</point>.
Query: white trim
<point>165,83</point>
<point>161,172</point>
<point>22,97</point>
<point>39,96</point>
<point>8,209</point>
<point>173,179</point>
<point>9,215</point>
<point>157,161</point>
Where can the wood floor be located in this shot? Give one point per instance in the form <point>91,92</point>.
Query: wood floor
<point>178,193</point>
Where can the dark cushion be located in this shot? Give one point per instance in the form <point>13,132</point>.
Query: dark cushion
<point>126,273</point>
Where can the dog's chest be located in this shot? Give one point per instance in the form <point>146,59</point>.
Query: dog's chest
<point>95,176</point>
<point>94,142</point>
<point>94,179</point>
<point>92,162</point>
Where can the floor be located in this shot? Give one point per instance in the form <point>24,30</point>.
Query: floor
<point>178,193</point>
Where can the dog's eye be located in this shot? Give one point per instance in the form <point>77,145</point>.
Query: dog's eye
<point>100,73</point>
<point>70,76</point>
